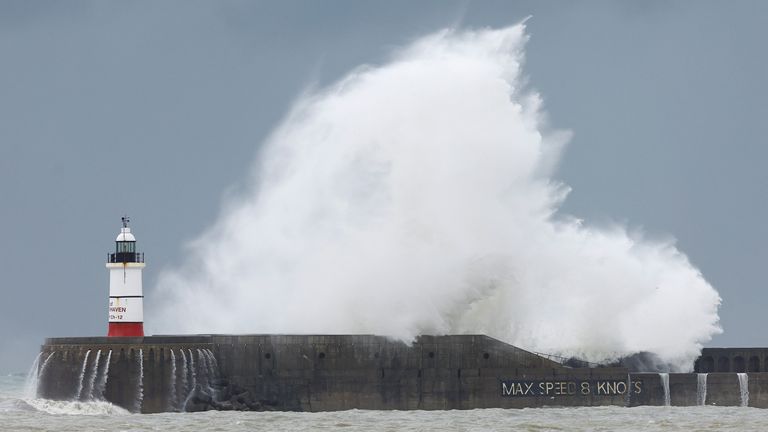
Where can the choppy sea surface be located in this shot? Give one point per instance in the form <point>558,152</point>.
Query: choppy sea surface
<point>18,413</point>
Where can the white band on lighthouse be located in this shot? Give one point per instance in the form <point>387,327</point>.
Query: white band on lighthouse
<point>126,299</point>
<point>125,279</point>
<point>126,309</point>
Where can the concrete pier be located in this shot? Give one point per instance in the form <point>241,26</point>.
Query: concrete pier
<point>339,372</point>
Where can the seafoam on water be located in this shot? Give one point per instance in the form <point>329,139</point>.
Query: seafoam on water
<point>18,414</point>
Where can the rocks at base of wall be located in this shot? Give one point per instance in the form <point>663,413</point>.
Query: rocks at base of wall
<point>226,396</point>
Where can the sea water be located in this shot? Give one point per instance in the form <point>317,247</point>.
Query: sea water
<point>20,414</point>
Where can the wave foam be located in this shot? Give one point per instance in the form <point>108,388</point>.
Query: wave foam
<point>418,197</point>
<point>93,408</point>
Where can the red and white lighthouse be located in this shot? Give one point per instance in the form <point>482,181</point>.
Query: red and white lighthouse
<point>126,297</point>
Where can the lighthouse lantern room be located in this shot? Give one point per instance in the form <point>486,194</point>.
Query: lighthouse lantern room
<point>126,297</point>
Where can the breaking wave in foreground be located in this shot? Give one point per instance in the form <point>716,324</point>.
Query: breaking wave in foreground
<point>419,197</point>
<point>14,403</point>
<point>56,407</point>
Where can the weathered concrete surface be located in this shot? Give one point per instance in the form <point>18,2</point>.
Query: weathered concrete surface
<point>338,372</point>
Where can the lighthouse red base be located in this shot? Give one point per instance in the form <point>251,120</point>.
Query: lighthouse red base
<point>131,329</point>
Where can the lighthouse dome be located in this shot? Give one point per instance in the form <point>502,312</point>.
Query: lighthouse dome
<point>125,235</point>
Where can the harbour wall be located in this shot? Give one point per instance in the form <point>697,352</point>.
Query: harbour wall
<point>732,360</point>
<point>339,372</point>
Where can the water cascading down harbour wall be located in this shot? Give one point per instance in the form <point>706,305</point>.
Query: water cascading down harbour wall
<point>339,372</point>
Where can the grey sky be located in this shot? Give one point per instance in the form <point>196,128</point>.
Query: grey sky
<point>157,109</point>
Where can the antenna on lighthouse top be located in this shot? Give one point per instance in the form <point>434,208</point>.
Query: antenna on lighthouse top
<point>126,219</point>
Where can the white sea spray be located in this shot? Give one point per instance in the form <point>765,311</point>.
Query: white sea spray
<point>420,197</point>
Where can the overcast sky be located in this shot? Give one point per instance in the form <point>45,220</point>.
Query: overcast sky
<point>156,109</point>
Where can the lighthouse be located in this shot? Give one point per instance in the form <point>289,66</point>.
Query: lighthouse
<point>126,297</point>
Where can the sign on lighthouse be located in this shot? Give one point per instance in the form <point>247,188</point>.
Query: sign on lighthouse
<point>126,297</point>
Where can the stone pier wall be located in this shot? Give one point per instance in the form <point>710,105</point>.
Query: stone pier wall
<point>123,386</point>
<point>732,360</point>
<point>326,372</point>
